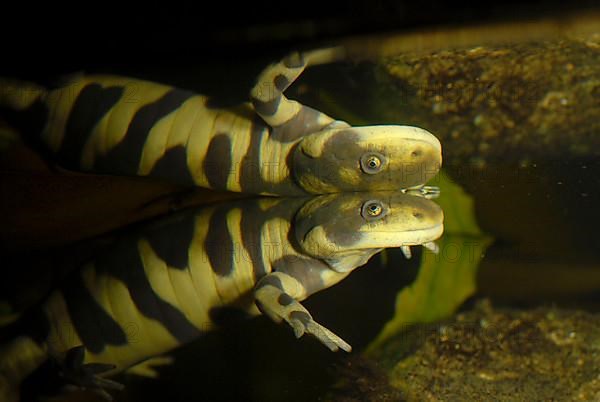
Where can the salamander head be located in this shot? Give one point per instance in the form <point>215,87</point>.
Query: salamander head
<point>346,229</point>
<point>369,158</point>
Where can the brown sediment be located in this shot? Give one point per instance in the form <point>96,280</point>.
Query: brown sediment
<point>487,353</point>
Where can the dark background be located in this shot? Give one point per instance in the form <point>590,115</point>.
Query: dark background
<point>42,40</point>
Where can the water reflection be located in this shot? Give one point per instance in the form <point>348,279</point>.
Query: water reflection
<point>166,283</point>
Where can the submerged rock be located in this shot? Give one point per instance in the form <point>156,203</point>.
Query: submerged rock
<point>487,353</point>
<point>541,98</point>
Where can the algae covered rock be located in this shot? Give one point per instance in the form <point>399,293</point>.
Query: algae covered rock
<point>541,98</point>
<point>493,354</point>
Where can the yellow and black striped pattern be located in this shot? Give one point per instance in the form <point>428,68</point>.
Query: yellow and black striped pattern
<point>171,281</point>
<point>272,145</point>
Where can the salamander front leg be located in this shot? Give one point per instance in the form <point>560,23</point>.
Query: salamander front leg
<point>274,295</point>
<point>87,376</point>
<point>281,113</point>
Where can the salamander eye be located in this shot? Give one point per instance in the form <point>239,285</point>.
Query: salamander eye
<point>372,162</point>
<point>372,209</point>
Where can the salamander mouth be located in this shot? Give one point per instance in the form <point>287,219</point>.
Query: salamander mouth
<point>430,233</point>
<point>392,239</point>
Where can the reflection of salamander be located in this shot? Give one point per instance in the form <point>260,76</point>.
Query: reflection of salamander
<point>168,283</point>
<point>273,145</point>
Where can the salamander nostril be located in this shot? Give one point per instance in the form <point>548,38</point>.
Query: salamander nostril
<point>416,153</point>
<point>418,215</point>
